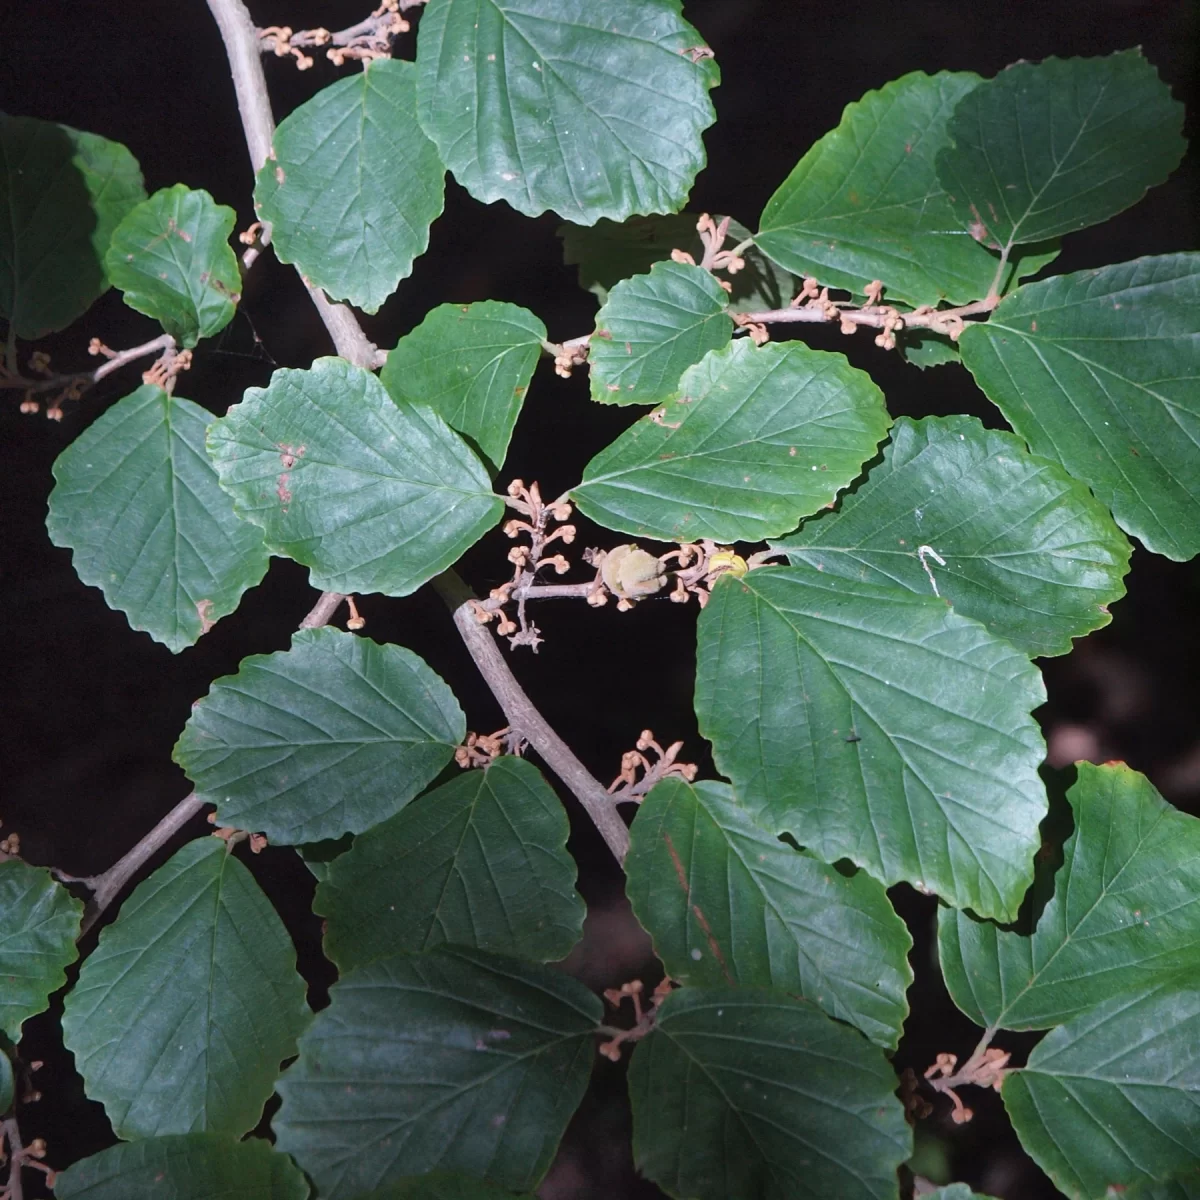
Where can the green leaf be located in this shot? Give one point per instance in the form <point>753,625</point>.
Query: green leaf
<point>557,104</point>
<point>371,495</point>
<point>481,861</point>
<point>137,500</point>
<point>1047,148</point>
<point>352,185</point>
<point>725,902</point>
<point>190,1001</point>
<point>193,1166</point>
<point>454,1059</point>
<point>925,349</point>
<point>1026,550</point>
<point>39,922</point>
<point>878,726</point>
<point>1125,909</point>
<point>62,193</point>
<point>651,329</point>
<point>742,1092</point>
<point>172,259</point>
<point>757,439</point>
<point>608,252</point>
<point>1183,1187</point>
<point>470,363</point>
<point>330,737</point>
<point>865,203</point>
<point>318,856</point>
<point>440,1185</point>
<point>1098,371</point>
<point>1112,1098</point>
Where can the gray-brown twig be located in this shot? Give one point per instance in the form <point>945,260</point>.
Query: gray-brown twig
<point>241,44</point>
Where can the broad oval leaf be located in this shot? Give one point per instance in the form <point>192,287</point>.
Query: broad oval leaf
<point>651,329</point>
<point>454,1059</point>
<point>1125,909</point>
<point>610,251</point>
<point>137,501</point>
<point>1047,148</point>
<point>39,922</point>
<point>372,496</point>
<point>878,726</point>
<point>748,1092</point>
<point>1098,371</point>
<point>1007,538</point>
<point>329,737</point>
<point>558,104</point>
<point>191,1166</point>
<point>62,193</point>
<point>727,903</point>
<point>756,439</point>
<point>171,257</point>
<point>470,363</point>
<point>353,185</point>
<point>480,861</point>
<point>1111,1099</point>
<point>865,203</point>
<point>190,1001</point>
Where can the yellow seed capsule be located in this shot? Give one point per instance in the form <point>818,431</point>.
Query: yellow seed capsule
<point>728,561</point>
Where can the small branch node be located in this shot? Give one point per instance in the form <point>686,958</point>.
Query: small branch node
<point>644,1016</point>
<point>628,786</point>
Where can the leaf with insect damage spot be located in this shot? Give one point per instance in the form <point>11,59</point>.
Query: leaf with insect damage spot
<point>172,259</point>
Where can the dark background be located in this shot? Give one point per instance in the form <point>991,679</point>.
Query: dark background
<point>92,709</point>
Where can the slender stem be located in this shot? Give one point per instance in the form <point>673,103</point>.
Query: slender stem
<point>525,719</point>
<point>322,612</point>
<point>16,1150</point>
<point>108,886</point>
<point>254,104</point>
<point>165,342</point>
<point>873,317</point>
<point>994,290</point>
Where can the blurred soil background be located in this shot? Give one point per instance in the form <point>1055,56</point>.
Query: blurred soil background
<point>92,709</point>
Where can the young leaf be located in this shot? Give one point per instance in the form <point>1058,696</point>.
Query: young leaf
<point>1125,910</point>
<point>454,1059</point>
<point>39,922</point>
<point>373,496</point>
<point>756,439</point>
<point>172,259</point>
<point>62,193</point>
<point>191,1166</point>
<point>1097,370</point>
<point>470,363</point>
<point>353,185</point>
<point>481,861</point>
<point>877,726</point>
<point>557,104</point>
<point>1020,546</point>
<point>1112,1098</point>
<point>865,203</point>
<point>608,252</point>
<point>747,1092</point>
<point>726,903</point>
<point>954,1191</point>
<point>184,1011</point>
<point>329,737</point>
<point>1047,148</point>
<point>651,329</point>
<point>137,501</point>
